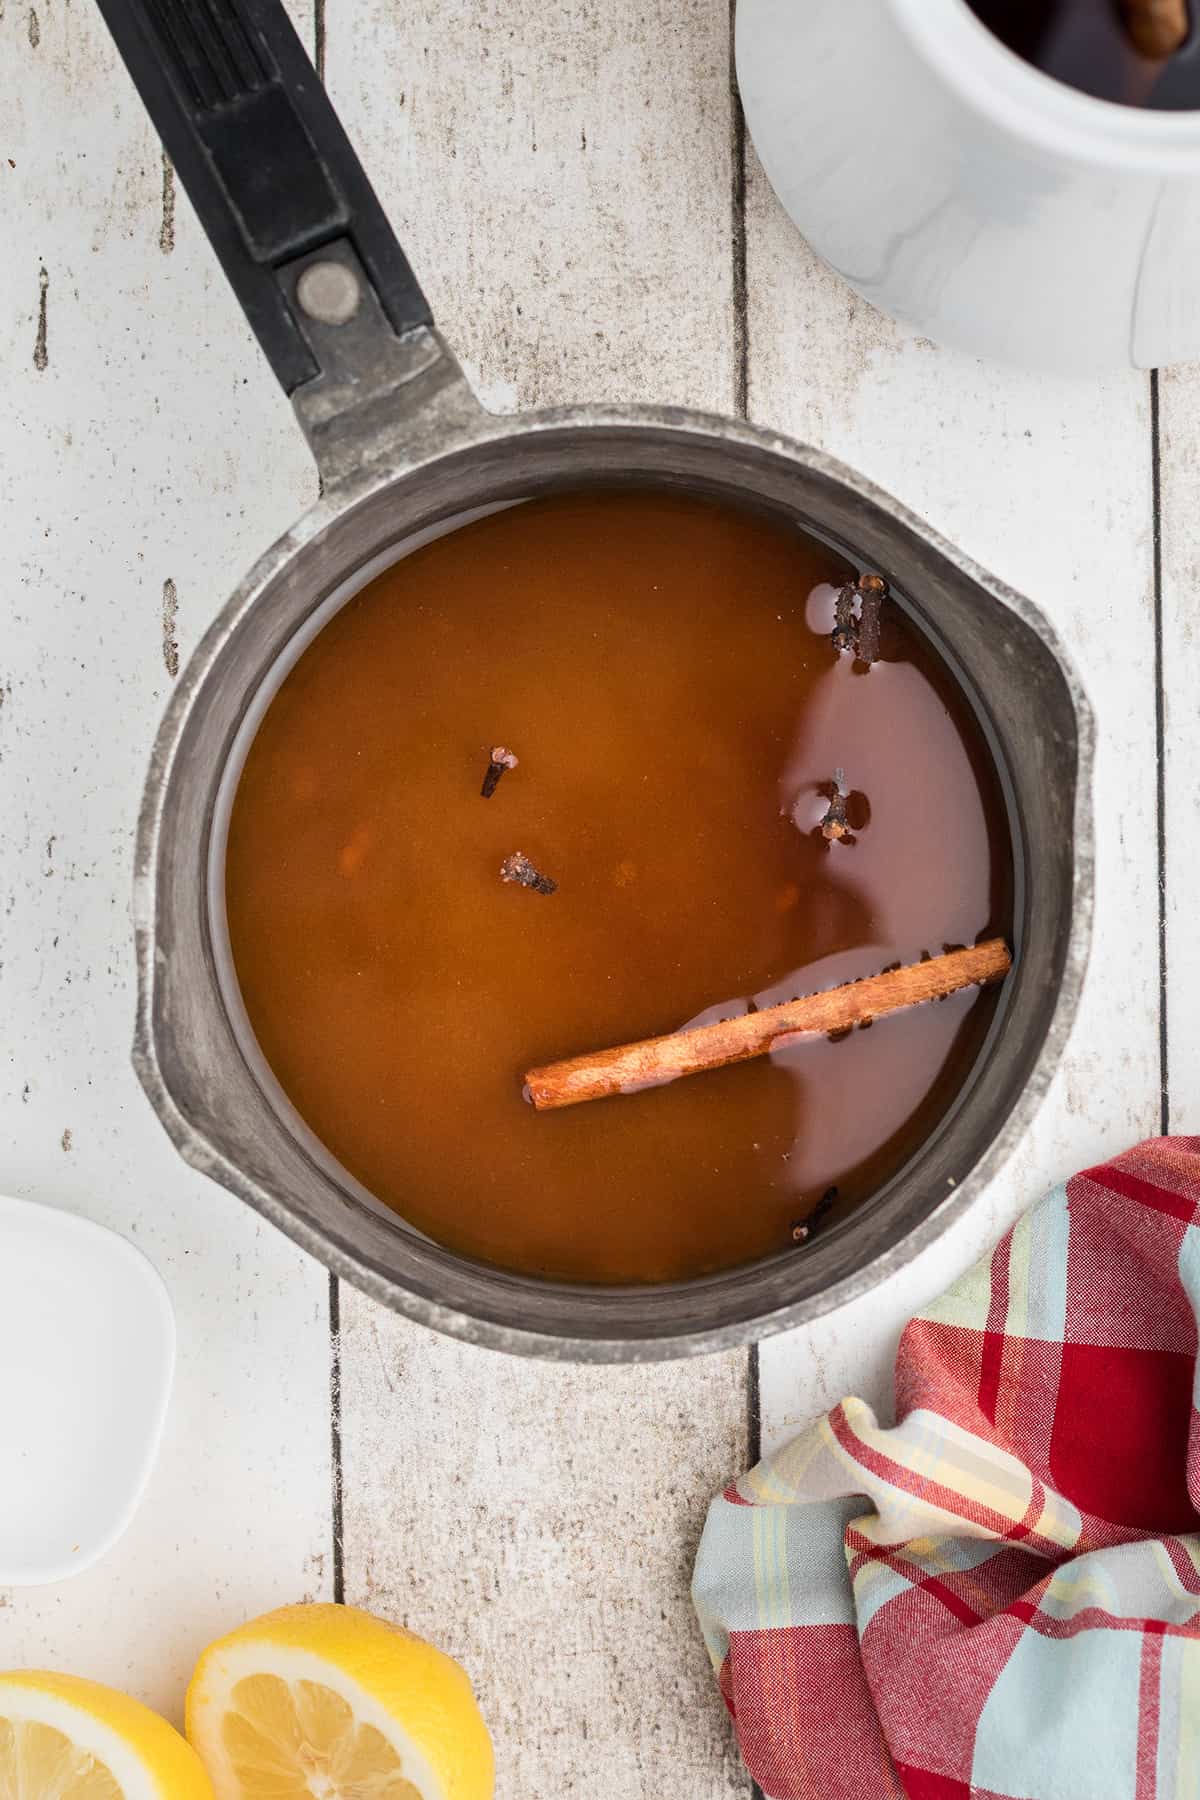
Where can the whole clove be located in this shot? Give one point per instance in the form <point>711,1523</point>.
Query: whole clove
<point>518,868</point>
<point>843,627</point>
<point>860,632</point>
<point>873,589</point>
<point>501,759</point>
<point>803,1229</point>
<point>834,825</point>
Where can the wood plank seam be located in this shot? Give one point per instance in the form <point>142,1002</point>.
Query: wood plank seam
<point>1160,795</point>
<point>741,403</point>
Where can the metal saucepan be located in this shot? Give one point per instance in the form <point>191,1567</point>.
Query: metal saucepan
<point>403,447</point>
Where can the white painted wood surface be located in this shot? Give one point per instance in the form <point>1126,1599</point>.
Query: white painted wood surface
<point>1180,484</point>
<point>565,176</point>
<point>143,444</point>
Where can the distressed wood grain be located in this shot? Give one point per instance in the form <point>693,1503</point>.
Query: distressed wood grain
<point>561,175</point>
<point>1179,451</point>
<point>147,457</point>
<point>561,178</point>
<point>540,1522</point>
<point>1048,483</point>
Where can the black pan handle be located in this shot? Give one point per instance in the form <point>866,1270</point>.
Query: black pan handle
<point>268,167</point>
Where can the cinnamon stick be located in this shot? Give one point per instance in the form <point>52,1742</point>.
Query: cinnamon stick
<point>1157,27</point>
<point>843,623</point>
<point>631,1067</point>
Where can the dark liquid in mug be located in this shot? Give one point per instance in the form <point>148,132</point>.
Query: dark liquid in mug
<point>1087,44</point>
<point>662,667</point>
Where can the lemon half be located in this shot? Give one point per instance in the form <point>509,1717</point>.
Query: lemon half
<point>330,1703</point>
<point>62,1738</point>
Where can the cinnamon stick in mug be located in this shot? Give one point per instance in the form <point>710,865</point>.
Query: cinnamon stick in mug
<point>630,1067</point>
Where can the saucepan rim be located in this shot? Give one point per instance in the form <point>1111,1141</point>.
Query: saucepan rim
<point>471,430</point>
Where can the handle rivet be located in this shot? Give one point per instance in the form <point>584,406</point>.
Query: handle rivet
<point>329,292</point>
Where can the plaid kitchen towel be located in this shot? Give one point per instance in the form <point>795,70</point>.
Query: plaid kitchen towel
<point>1000,1596</point>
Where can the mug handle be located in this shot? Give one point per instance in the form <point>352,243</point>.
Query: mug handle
<point>270,171</point>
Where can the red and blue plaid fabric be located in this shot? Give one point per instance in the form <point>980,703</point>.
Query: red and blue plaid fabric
<point>999,1596</point>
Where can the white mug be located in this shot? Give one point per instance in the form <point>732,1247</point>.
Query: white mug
<point>963,191</point>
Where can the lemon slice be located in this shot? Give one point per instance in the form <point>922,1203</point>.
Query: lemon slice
<point>66,1739</point>
<point>330,1703</point>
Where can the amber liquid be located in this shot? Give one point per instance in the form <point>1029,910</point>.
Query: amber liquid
<point>663,668</point>
<point>1087,44</point>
